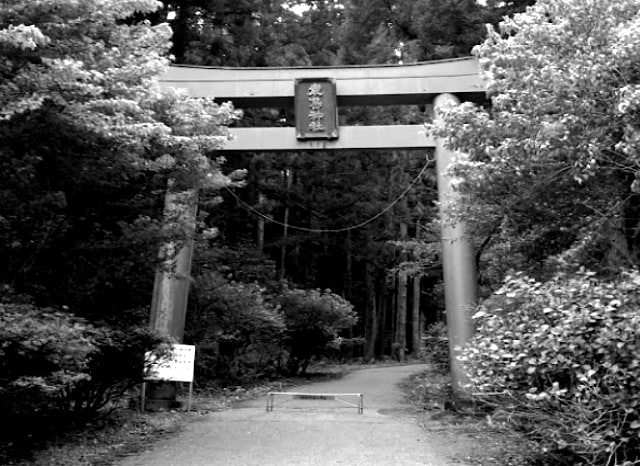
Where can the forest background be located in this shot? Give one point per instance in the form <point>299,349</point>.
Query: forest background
<point>81,226</point>
<point>89,145</point>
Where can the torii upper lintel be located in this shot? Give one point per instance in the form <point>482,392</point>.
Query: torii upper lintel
<point>356,85</point>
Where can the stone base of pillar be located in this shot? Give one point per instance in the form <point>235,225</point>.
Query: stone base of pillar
<point>161,396</point>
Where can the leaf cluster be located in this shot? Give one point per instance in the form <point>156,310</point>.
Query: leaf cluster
<point>561,360</point>
<point>249,326</point>
<point>57,370</point>
<point>553,160</point>
<point>89,144</point>
<point>236,328</point>
<point>313,319</point>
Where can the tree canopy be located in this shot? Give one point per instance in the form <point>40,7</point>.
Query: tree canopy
<point>550,167</point>
<point>89,141</point>
<point>548,180</point>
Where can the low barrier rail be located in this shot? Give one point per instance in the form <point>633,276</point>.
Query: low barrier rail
<point>317,396</point>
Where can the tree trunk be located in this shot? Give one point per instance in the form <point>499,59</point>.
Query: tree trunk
<point>288,178</point>
<point>401,317</point>
<point>260,230</point>
<point>416,320</point>
<point>348,273</point>
<point>384,322</point>
<point>401,304</point>
<point>618,256</point>
<point>416,334</point>
<point>371,317</point>
<point>379,337</point>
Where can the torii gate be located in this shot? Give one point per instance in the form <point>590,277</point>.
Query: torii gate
<point>441,83</point>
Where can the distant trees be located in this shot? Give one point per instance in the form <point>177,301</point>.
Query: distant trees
<point>270,33</point>
<point>409,31</point>
<point>328,191</point>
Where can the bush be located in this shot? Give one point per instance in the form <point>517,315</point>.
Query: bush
<point>436,347</point>
<point>342,350</point>
<point>562,360</point>
<point>238,332</point>
<point>56,369</point>
<point>313,319</point>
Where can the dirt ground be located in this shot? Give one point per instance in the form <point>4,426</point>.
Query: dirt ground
<point>390,431</point>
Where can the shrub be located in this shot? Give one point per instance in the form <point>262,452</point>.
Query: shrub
<point>343,350</point>
<point>562,360</point>
<point>56,369</point>
<point>238,332</point>
<point>436,346</point>
<point>313,319</point>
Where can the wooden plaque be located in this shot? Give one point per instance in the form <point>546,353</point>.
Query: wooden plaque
<point>316,108</point>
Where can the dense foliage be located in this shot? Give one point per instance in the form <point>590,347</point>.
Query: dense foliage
<point>549,169</point>
<point>57,369</point>
<point>249,326</point>
<point>89,141</point>
<point>313,319</point>
<point>548,186</point>
<point>237,330</point>
<point>561,360</point>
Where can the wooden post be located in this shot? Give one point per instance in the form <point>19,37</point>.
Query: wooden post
<point>458,261</point>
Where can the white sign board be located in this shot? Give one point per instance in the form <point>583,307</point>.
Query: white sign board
<point>177,367</point>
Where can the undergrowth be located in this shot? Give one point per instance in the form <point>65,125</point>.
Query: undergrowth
<point>124,432</point>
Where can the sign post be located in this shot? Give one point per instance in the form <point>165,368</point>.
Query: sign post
<point>176,367</point>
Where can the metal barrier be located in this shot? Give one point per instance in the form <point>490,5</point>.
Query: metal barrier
<point>317,396</point>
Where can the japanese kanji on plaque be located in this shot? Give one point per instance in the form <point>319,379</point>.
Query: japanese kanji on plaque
<point>316,109</point>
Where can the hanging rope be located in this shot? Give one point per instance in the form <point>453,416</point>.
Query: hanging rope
<point>337,230</point>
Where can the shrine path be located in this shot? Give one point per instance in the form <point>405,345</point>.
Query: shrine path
<point>312,432</point>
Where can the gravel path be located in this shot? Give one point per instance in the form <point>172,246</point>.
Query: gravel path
<point>310,432</point>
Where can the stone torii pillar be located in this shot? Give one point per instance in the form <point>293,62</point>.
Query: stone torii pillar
<point>172,281</point>
<point>458,260</point>
<point>173,275</point>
